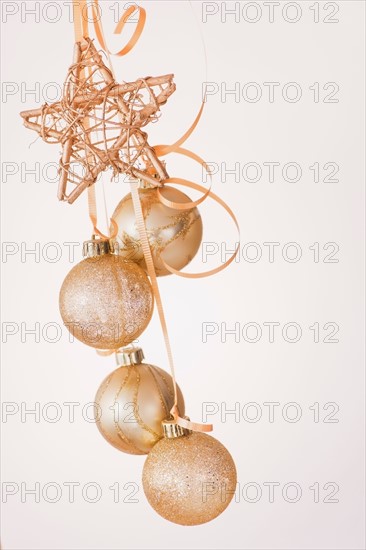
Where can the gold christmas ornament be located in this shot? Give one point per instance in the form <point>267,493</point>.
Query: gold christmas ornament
<point>105,301</point>
<point>132,402</point>
<point>189,479</point>
<point>79,119</point>
<point>174,235</point>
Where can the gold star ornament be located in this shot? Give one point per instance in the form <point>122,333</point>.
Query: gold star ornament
<point>99,124</point>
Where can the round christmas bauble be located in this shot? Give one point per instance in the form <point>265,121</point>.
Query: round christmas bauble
<point>174,235</point>
<point>132,402</point>
<point>106,302</point>
<point>189,479</point>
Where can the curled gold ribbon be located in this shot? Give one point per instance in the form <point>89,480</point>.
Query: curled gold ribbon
<point>162,150</point>
<point>217,199</point>
<point>119,28</point>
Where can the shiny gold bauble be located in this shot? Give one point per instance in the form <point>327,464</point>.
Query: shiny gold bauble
<point>131,404</point>
<point>106,302</point>
<point>190,479</point>
<point>174,235</point>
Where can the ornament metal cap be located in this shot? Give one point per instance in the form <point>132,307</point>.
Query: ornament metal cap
<point>129,356</point>
<point>97,247</point>
<point>172,430</point>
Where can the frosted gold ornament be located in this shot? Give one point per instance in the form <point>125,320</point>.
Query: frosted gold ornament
<point>132,402</point>
<point>174,235</point>
<point>105,301</point>
<point>189,478</point>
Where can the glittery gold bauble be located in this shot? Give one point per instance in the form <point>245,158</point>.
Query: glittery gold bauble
<point>106,302</point>
<point>131,404</point>
<point>190,479</point>
<point>174,235</point>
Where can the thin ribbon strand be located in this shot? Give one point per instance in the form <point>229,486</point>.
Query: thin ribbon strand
<point>140,221</point>
<point>162,150</point>
<point>78,28</point>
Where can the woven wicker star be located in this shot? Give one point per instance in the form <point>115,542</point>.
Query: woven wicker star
<point>99,123</point>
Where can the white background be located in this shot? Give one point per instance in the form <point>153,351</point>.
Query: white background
<point>303,292</point>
